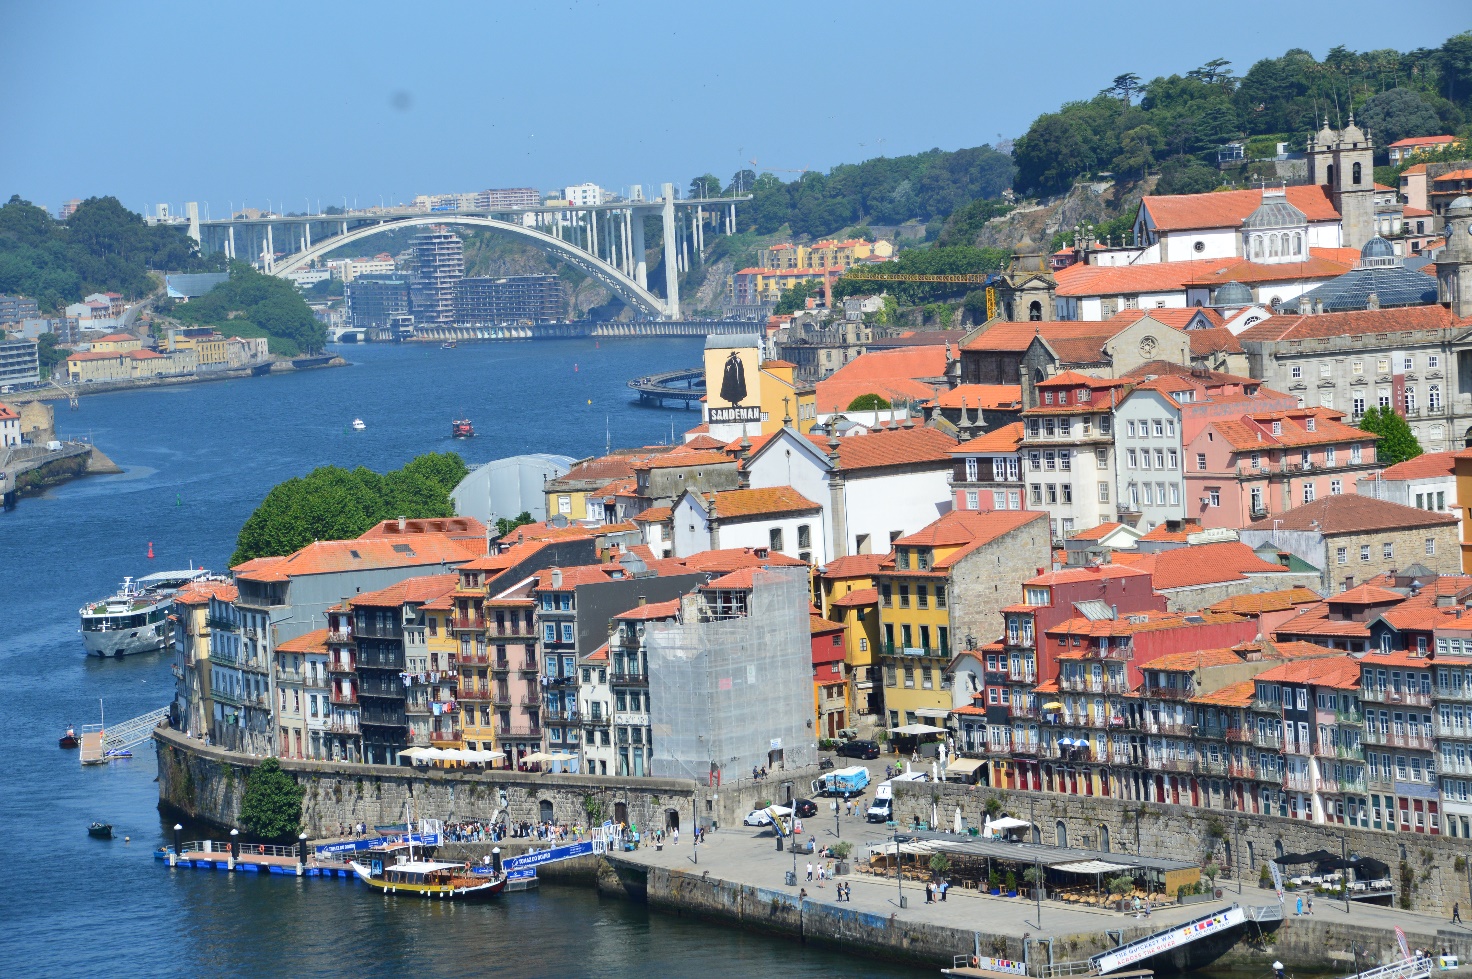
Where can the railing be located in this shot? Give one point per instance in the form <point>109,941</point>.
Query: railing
<point>346,699</point>
<point>1297,783</point>
<point>515,731</point>
<point>315,680</point>
<point>1400,739</point>
<point>1167,727</point>
<point>1454,693</point>
<point>531,700</point>
<point>467,622</point>
<point>1387,695</point>
<point>596,720</point>
<point>1270,738</point>
<point>476,657</point>
<point>1170,693</point>
<point>1355,751</point>
<point>342,727</point>
<point>442,736</point>
<point>1240,735</point>
<point>1452,730</point>
<point>1351,785</point>
<point>1024,710</point>
<point>1211,766</point>
<point>474,690</point>
<point>501,665</point>
<point>1349,717</point>
<point>1171,764</point>
<point>501,698</point>
<point>393,630</point>
<point>1117,757</point>
<point>943,650</point>
<point>1242,769</point>
<point>528,666</point>
<point>1090,684</point>
<point>627,679</point>
<point>1025,748</point>
<point>1267,706</point>
<point>515,630</point>
<point>290,676</point>
<point>1022,676</point>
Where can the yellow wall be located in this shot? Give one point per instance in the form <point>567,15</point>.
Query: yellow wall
<point>1464,500</point>
<point>117,346</point>
<point>577,503</point>
<point>109,369</point>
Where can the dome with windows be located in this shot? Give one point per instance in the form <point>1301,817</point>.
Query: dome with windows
<point>1276,232</point>
<point>1379,280</point>
<point>1378,253</point>
<point>1232,295</point>
<point>1462,205</point>
<point>1275,212</point>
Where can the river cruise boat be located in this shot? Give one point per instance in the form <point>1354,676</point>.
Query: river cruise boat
<point>136,619</point>
<point>386,870</point>
<point>461,428</point>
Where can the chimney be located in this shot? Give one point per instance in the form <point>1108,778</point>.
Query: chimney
<point>402,524</point>
<point>1114,612</point>
<point>556,577</point>
<point>642,601</point>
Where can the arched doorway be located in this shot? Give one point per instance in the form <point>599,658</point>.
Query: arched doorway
<point>544,811</point>
<point>672,820</point>
<point>621,813</point>
<point>1061,831</point>
<point>1104,837</point>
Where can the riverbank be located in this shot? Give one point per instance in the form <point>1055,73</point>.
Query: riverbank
<point>174,380</point>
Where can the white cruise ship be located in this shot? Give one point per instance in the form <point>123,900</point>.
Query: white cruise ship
<point>136,619</point>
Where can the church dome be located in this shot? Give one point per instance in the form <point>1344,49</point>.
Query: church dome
<point>1462,205</point>
<point>1377,247</point>
<point>1351,135</point>
<point>1232,294</point>
<point>1326,136</point>
<point>1275,212</point>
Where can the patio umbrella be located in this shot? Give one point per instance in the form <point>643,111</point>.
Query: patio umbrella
<point>1053,705</point>
<point>957,827</point>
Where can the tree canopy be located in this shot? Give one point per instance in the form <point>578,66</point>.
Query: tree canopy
<point>1397,442</point>
<point>102,247</point>
<point>797,297</point>
<point>869,402</point>
<point>271,806</point>
<point>332,503</point>
<point>255,304</point>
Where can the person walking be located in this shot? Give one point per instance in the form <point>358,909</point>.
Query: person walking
<point>1456,914</point>
<point>1310,905</point>
<point>810,870</point>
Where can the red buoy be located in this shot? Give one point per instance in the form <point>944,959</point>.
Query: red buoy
<point>150,550</point>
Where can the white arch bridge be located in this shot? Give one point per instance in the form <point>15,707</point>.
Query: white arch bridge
<point>604,240</point>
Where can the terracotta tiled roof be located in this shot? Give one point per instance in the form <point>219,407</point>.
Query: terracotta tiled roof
<point>200,593</point>
<point>655,514</point>
<point>1218,339</point>
<point>602,469</point>
<point>1228,209</point>
<point>835,395</point>
<point>425,588</point>
<point>682,456</point>
<point>599,655</point>
<point>1204,564</point>
<point>1016,337</point>
<point>704,441</point>
<point>1087,573</point>
<point>653,610</point>
<point>1400,657</point>
<point>730,559</point>
<point>1351,323</point>
<point>1352,514</point>
<point>853,565</point>
<point>1314,620</point>
<point>1162,532</point>
<point>312,642</point>
<point>1097,533</point>
<point>980,396</point>
<point>819,625</point>
<point>1176,317</point>
<point>1423,141</point>
<point>1196,659</point>
<point>503,560</point>
<point>894,447</point>
<point>907,362</point>
<point>857,598</point>
<point>1267,601</point>
<point>1302,650</point>
<point>741,579</point>
<point>1117,280</point>
<point>579,574</point>
<point>1233,695</point>
<point>1424,466</point>
<point>1365,595</point>
<point>965,530</point>
<point>1255,431</point>
<point>460,528</point>
<point>1147,621</point>
<point>332,556</point>
<point>1340,672</point>
<point>1001,440</point>
<point>115,337</point>
<point>85,355</point>
<point>625,486</point>
<point>769,501</point>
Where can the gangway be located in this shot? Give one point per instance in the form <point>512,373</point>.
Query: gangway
<point>1170,938</point>
<point>101,744</point>
<point>1409,968</point>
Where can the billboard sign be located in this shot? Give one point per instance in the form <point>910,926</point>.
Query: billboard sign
<point>731,384</point>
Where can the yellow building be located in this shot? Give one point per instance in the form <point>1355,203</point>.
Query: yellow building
<point>443,651</point>
<point>747,396</point>
<point>915,633</point>
<point>1463,470</point>
<point>851,599</point>
<point>117,343</point>
<point>824,254</point>
<point>210,348</point>
<point>89,366</point>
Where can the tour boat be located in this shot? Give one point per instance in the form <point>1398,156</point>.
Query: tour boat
<point>101,831</point>
<point>429,879</point>
<point>461,428</point>
<point>69,739</point>
<point>358,425</point>
<point>449,345</point>
<point>136,619</point>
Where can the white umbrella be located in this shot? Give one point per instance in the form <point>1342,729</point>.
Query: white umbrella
<point>957,827</point>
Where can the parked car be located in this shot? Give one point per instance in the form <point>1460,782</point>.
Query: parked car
<point>858,749</point>
<point>806,808</point>
<point>762,817</point>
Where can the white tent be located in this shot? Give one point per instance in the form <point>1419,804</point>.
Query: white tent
<point>1007,822</point>
<point>914,729</point>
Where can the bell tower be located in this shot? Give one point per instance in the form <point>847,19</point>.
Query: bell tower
<point>1343,162</point>
<point>1454,267</point>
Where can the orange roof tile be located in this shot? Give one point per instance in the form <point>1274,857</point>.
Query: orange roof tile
<point>1097,533</point>
<point>1267,601</point>
<point>770,501</point>
<point>1340,672</point>
<point>1233,695</point>
<point>853,565</point>
<point>329,557</point>
<point>1204,564</point>
<point>1001,440</point>
<point>704,441</point>
<point>1350,514</point>
<point>1350,323</point>
<point>1196,659</point>
<point>654,514</point>
<point>1228,209</point>
<point>1147,621</point>
<point>312,642</point>
<point>1218,339</point>
<point>980,396</point>
<point>684,456</point>
<point>1424,466</point>
<point>1086,573</point>
<point>730,559</point>
<point>200,593</point>
<point>652,610</point>
<point>425,588</point>
<point>1178,318</point>
<point>1398,657</point>
<point>857,598</point>
<point>1366,595</point>
<point>818,625</point>
<point>1423,141</point>
<point>965,530</point>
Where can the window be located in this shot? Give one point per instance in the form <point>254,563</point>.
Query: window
<point>1341,555</point>
<point>1382,366</point>
<point>1364,552</point>
<point>1067,495</point>
<point>1150,494</point>
<point>940,596</point>
<point>973,499</point>
<point>549,632</point>
<point>1035,461</point>
<point>1295,371</point>
<point>1129,429</point>
<point>1387,550</point>
<point>1308,492</point>
<point>1052,492</point>
<point>1159,458</point>
<point>1433,361</point>
<point>1129,455</point>
<point>1329,456</point>
<point>1336,487</point>
<point>1431,545</point>
<point>1159,428</point>
<point>1354,455</point>
<point>774,536</point>
<point>567,632</point>
<point>1256,498</point>
<point>1065,460</point>
<point>1433,397</point>
<point>1359,405</point>
<point>1410,399</point>
<point>1324,370</point>
<point>1174,460</point>
<point>971,469</point>
<point>1037,492</point>
<point>1170,427</point>
<point>1277,428</point>
<point>1201,461</point>
<point>1175,494</point>
<point>1215,496</point>
<point>1407,364</point>
<point>1103,492</point>
<point>1049,462</point>
<point>805,535</point>
<point>1357,367</point>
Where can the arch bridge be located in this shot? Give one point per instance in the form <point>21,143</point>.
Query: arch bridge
<point>606,241</point>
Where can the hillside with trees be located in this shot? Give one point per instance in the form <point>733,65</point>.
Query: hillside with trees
<point>102,247</point>
<point>253,304</point>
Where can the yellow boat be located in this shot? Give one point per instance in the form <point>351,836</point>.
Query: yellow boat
<point>429,878</point>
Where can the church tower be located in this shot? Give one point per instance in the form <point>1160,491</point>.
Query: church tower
<point>1344,163</point>
<point>1454,266</point>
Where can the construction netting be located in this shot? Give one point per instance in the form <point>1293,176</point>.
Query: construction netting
<point>731,682</point>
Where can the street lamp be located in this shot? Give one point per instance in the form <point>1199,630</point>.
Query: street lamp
<point>178,848</point>
<point>1343,869</point>
<point>834,806</point>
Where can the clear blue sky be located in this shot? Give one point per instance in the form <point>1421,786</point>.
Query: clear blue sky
<point>250,101</point>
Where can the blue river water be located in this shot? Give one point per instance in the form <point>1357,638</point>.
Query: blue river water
<point>198,458</point>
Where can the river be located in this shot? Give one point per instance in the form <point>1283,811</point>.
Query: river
<point>198,458</point>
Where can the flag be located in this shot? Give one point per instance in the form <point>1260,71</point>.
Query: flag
<point>1277,880</point>
<point>1400,937</point>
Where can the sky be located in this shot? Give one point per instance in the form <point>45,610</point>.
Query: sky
<point>302,105</point>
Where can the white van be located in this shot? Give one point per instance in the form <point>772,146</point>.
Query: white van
<point>882,810</point>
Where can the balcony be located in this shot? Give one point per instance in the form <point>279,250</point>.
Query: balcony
<point>1355,752</point>
<point>475,657</point>
<point>1390,695</point>
<point>339,635</point>
<point>467,622</point>
<point>1446,729</point>
<point>342,726</point>
<point>1178,728</point>
<point>1024,710</point>
<point>1121,757</point>
<point>1268,739</point>
<point>596,720</point>
<point>1210,766</point>
<point>473,690</point>
<point>501,665</point>
<point>518,731</point>
<point>450,737</point>
<point>628,679</point>
<point>347,698</point>
<point>314,681</point>
<point>1400,739</point>
<point>501,698</point>
<point>514,630</point>
<point>1454,693</point>
<point>528,666</point>
<point>943,650</point>
<point>1238,735</point>
<point>1241,769</point>
<point>1089,684</point>
<point>1170,693</point>
<point>1029,748</point>
<point>1297,783</point>
<point>1022,676</point>
<point>1353,716</point>
<point>288,676</point>
<point>1171,763</point>
<point>1267,706</point>
<point>532,700</point>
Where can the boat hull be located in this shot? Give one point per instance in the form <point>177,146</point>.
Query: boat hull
<point>467,888</point>
<point>147,638</point>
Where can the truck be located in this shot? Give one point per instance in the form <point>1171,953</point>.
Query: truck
<point>844,782</point>
<point>882,811</point>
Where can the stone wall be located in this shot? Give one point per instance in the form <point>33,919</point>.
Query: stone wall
<point>206,783</point>
<point>1192,834</point>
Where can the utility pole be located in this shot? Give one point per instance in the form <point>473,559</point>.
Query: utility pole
<point>1343,880</point>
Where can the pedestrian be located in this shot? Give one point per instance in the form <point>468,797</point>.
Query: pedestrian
<point>945,887</point>
<point>1298,907</point>
<point>929,892</point>
<point>821,871</point>
<point>810,870</point>
<point>1456,914</point>
<point>1310,905</point>
<point>675,835</point>
<point>802,894</point>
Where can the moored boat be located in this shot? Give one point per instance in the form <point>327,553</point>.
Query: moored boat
<point>69,739</point>
<point>101,831</point>
<point>358,425</point>
<point>449,345</point>
<point>434,879</point>
<point>136,619</point>
<point>461,428</point>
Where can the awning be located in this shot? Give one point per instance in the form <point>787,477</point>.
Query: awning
<point>1052,705</point>
<point>964,766</point>
<point>1008,822</point>
<point>911,730</point>
<point>1092,867</point>
<point>916,847</point>
<point>536,757</point>
<point>935,713</point>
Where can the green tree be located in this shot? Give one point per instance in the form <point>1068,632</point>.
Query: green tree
<point>1215,70</point>
<point>708,185</point>
<point>1124,86</point>
<point>1396,441</point>
<point>265,302</point>
<point>1398,113</point>
<point>505,525</point>
<point>271,806</point>
<point>868,402</point>
<point>797,297</point>
<point>1187,175</point>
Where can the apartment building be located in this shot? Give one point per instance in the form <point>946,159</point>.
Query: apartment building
<point>1068,445</point>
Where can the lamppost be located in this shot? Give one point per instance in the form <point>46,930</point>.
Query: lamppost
<point>836,829</point>
<point>301,852</point>
<point>1343,880</point>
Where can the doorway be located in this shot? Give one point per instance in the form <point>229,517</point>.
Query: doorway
<point>672,820</point>
<point>621,813</point>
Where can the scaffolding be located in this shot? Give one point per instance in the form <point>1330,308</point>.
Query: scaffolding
<point>732,692</point>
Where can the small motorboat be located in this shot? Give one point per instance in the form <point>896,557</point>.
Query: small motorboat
<point>101,831</point>
<point>449,345</point>
<point>69,739</point>
<point>461,428</point>
<point>358,425</point>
